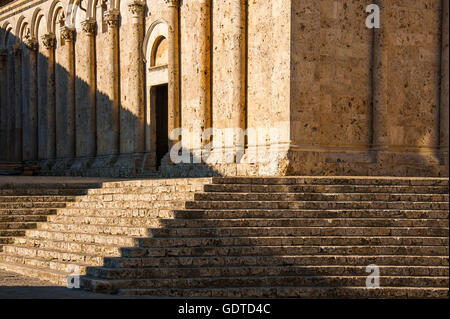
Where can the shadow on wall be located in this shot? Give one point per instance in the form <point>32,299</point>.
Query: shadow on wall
<point>47,117</point>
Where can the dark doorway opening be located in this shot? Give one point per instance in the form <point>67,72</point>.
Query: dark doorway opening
<point>162,122</point>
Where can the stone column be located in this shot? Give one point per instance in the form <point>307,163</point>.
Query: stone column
<point>108,100</point>
<point>65,103</point>
<point>229,64</point>
<point>48,41</point>
<point>30,143</point>
<point>132,112</point>
<point>380,137</point>
<point>85,87</point>
<point>18,150</point>
<point>444,110</point>
<point>174,112</point>
<point>4,108</point>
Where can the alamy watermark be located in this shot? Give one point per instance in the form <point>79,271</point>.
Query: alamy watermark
<point>373,279</point>
<point>373,19</point>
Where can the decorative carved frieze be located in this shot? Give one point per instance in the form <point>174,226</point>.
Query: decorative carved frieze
<point>67,33</point>
<point>89,26</point>
<point>48,41</point>
<point>112,18</point>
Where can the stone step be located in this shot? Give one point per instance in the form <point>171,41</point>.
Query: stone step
<point>61,266</point>
<point>56,277</point>
<point>248,188</point>
<point>27,212</point>
<point>51,186</point>
<point>43,192</point>
<point>321,197</point>
<point>283,250</point>
<point>22,218</point>
<point>112,221</point>
<point>95,229</point>
<point>308,213</point>
<point>30,205</point>
<point>291,241</point>
<point>101,239</point>
<point>294,292</point>
<point>349,260</point>
<point>53,255</point>
<point>269,281</point>
<point>158,197</point>
<point>160,272</point>
<point>293,222</point>
<point>378,180</point>
<point>298,231</point>
<point>18,225</point>
<point>6,240</point>
<point>70,246</point>
<point>314,205</point>
<point>11,232</point>
<point>116,213</point>
<point>37,199</point>
<point>126,205</point>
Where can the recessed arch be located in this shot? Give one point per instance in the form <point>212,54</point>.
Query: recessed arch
<point>157,30</point>
<point>5,30</point>
<point>35,20</point>
<point>55,8</point>
<point>19,26</point>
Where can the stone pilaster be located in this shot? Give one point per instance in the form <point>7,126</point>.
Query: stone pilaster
<point>49,42</point>
<point>380,138</point>
<point>132,111</point>
<point>444,101</point>
<point>30,116</point>
<point>108,100</point>
<point>230,65</point>
<point>18,150</point>
<point>174,111</point>
<point>65,102</point>
<point>85,87</point>
<point>4,109</point>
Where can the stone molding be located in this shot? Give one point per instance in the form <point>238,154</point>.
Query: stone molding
<point>49,41</point>
<point>112,18</point>
<point>89,26</point>
<point>67,33</point>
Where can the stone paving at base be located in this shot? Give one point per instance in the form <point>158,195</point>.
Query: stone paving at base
<point>15,286</point>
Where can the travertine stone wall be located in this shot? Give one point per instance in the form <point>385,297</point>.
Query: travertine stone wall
<point>78,85</point>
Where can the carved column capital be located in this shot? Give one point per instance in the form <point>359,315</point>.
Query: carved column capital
<point>67,33</point>
<point>31,43</point>
<point>112,18</point>
<point>136,8</point>
<point>173,3</point>
<point>89,26</point>
<point>48,41</point>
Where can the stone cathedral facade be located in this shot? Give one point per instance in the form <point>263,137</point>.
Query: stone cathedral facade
<point>97,87</point>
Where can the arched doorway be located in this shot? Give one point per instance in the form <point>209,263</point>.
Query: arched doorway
<point>157,92</point>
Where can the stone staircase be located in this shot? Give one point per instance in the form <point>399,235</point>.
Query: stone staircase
<point>247,237</point>
<point>81,230</point>
<point>23,206</point>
